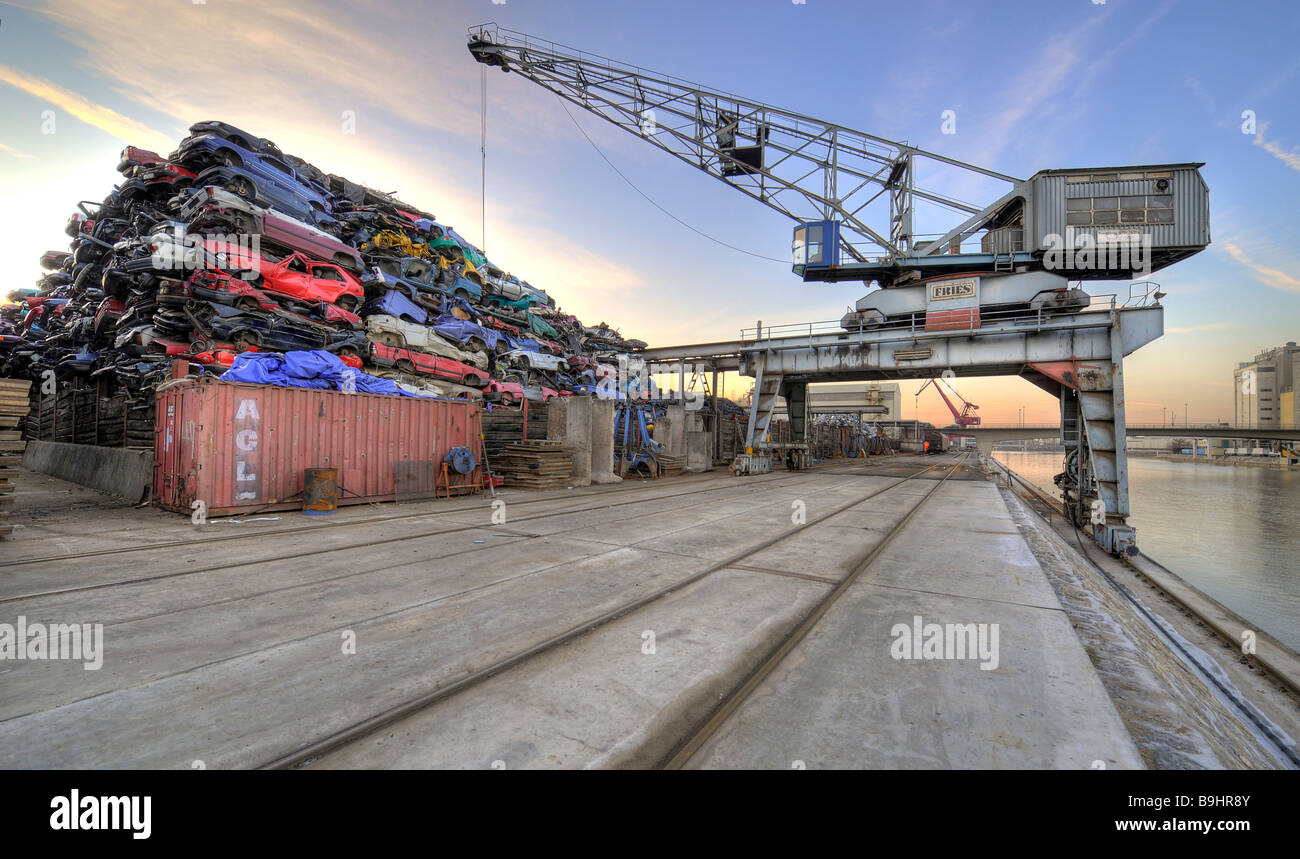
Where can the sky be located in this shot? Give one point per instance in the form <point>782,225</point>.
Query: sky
<point>386,94</point>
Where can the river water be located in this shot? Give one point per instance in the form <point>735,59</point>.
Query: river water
<point>1232,532</point>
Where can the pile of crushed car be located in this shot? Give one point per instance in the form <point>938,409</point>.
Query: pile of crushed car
<point>228,245</point>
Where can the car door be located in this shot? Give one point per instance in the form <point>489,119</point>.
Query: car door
<point>291,277</point>
<point>327,283</point>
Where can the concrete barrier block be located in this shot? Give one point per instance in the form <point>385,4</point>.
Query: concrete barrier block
<point>122,471</point>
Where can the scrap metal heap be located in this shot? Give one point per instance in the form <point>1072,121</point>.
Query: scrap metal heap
<point>229,245</point>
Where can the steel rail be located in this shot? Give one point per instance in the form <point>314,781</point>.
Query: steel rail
<point>1284,753</point>
<point>361,545</point>
<point>381,720</point>
<point>686,749</point>
<point>374,520</point>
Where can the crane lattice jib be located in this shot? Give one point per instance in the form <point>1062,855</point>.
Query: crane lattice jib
<point>801,166</point>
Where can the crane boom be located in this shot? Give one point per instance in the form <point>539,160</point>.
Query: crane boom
<point>803,167</point>
<point>854,195</point>
<point>966,417</point>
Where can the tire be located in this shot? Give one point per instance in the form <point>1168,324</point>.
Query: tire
<point>406,366</point>
<point>347,302</point>
<point>248,305</point>
<point>246,336</point>
<point>229,158</point>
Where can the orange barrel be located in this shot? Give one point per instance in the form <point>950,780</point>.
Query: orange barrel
<point>320,491</point>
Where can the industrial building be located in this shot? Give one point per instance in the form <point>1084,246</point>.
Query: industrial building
<point>872,401</point>
<point>1265,389</point>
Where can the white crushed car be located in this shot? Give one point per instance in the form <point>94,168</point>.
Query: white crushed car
<point>392,331</point>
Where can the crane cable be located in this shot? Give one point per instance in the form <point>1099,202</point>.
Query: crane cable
<point>651,201</point>
<point>482,148</point>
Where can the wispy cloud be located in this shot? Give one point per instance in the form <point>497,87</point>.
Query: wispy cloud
<point>1275,278</point>
<point>9,150</point>
<point>306,63</point>
<point>1289,157</point>
<point>1196,329</point>
<point>104,118</point>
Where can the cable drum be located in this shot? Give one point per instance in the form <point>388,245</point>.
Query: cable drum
<point>461,460</point>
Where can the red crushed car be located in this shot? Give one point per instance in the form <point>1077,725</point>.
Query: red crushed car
<point>225,289</point>
<point>309,280</point>
<point>164,174</point>
<point>234,291</point>
<point>296,276</point>
<point>134,156</point>
<point>412,361</point>
<point>510,393</point>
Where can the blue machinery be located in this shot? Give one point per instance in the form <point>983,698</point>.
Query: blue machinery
<point>635,450</point>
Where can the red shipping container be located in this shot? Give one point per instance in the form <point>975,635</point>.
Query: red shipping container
<point>240,447</point>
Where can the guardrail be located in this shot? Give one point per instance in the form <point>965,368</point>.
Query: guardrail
<point>1141,294</point>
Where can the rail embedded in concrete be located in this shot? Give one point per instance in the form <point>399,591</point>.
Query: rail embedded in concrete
<point>1270,653</point>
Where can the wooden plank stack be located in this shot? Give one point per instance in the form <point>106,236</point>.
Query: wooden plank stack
<point>670,466</point>
<point>14,405</point>
<point>503,427</point>
<point>535,464</point>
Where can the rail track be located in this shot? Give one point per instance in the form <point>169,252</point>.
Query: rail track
<point>374,520</point>
<point>1045,507</point>
<point>363,544</point>
<point>399,517</point>
<point>715,484</point>
<point>386,718</point>
<point>731,702</point>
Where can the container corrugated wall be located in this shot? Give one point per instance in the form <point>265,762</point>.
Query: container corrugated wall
<point>1191,203</point>
<point>244,447</point>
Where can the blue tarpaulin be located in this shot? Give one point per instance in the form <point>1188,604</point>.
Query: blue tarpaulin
<point>308,369</point>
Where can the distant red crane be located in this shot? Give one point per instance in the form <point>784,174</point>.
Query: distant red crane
<point>966,417</point>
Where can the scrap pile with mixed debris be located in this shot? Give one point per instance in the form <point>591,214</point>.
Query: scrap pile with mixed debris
<point>229,246</point>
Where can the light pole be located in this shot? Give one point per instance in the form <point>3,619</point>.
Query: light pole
<point>1184,414</point>
<point>1162,417</point>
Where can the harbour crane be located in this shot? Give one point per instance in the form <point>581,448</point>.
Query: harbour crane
<point>997,293</point>
<point>853,195</point>
<point>966,417</point>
